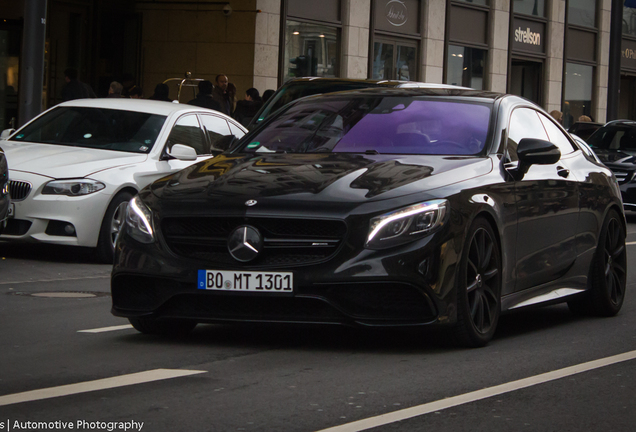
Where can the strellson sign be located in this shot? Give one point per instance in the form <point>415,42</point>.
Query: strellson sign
<point>528,36</point>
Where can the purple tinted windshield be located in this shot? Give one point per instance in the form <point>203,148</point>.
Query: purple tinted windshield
<point>386,125</point>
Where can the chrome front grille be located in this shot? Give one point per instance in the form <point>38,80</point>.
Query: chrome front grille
<point>19,190</point>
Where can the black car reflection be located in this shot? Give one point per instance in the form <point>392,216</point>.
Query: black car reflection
<point>5,199</point>
<point>378,207</point>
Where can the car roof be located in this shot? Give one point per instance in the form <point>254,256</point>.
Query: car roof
<point>622,122</point>
<point>373,82</point>
<point>440,90</point>
<point>140,105</point>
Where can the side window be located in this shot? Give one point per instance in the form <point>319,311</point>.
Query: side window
<point>215,127</point>
<point>557,137</point>
<point>524,123</point>
<point>238,133</point>
<point>188,132</point>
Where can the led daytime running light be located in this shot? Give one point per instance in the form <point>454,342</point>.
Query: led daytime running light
<point>439,207</point>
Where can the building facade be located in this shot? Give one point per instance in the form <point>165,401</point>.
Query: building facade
<point>553,52</point>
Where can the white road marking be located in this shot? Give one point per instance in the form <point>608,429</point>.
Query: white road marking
<point>107,329</point>
<point>630,243</point>
<point>55,280</point>
<point>450,402</point>
<point>100,384</point>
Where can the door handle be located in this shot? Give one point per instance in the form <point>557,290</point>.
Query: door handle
<point>563,172</point>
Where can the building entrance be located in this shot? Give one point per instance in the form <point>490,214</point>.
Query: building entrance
<point>525,79</point>
<point>627,98</point>
<point>394,59</point>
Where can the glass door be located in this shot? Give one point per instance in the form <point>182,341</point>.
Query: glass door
<point>525,79</point>
<point>627,102</point>
<point>10,39</point>
<point>394,59</point>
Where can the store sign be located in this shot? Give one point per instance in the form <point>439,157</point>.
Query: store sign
<point>628,55</point>
<point>397,16</point>
<point>528,36</point>
<point>396,13</point>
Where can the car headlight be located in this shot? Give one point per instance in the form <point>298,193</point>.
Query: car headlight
<point>139,221</point>
<point>406,224</point>
<point>72,187</point>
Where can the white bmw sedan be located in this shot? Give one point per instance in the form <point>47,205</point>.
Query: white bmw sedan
<point>73,169</point>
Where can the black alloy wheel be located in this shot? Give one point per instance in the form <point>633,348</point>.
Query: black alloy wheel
<point>479,287</point>
<point>608,275</point>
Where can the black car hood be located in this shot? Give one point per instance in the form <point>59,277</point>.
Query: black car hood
<point>615,157</point>
<point>326,178</point>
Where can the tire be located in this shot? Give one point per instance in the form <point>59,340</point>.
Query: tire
<point>478,287</point>
<point>608,275</point>
<point>111,226</point>
<point>165,327</point>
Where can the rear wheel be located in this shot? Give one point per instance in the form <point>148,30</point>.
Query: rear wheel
<point>478,287</point>
<point>608,276</point>
<point>111,226</point>
<point>166,327</point>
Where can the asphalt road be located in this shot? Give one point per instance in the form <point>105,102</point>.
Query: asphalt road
<point>535,375</point>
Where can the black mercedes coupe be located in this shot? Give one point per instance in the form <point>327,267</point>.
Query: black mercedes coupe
<point>378,207</point>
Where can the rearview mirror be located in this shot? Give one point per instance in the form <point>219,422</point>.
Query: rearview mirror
<point>537,152</point>
<point>6,134</point>
<point>183,152</point>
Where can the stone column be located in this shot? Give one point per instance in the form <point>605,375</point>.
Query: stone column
<point>497,69</point>
<point>434,27</point>
<point>599,109</point>
<point>554,62</point>
<point>266,44</point>
<point>356,16</point>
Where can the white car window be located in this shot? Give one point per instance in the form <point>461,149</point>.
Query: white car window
<point>188,132</point>
<point>215,127</point>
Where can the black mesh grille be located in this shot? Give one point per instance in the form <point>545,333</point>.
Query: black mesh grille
<point>19,190</point>
<point>16,227</point>
<point>287,241</point>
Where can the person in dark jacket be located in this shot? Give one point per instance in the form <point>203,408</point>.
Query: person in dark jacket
<point>219,94</point>
<point>161,93</point>
<point>74,88</point>
<point>204,97</point>
<point>246,109</point>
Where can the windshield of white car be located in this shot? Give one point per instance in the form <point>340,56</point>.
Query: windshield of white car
<point>375,125</point>
<point>100,128</point>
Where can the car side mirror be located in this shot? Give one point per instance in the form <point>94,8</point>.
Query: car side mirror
<point>537,152</point>
<point>6,134</point>
<point>182,152</point>
<point>224,143</point>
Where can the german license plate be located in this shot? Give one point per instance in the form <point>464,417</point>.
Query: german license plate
<point>262,282</point>
<point>11,210</point>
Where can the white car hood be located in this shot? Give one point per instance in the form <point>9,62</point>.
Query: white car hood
<point>58,161</point>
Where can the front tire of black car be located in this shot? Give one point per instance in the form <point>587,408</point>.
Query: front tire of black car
<point>164,327</point>
<point>111,226</point>
<point>608,276</point>
<point>478,287</point>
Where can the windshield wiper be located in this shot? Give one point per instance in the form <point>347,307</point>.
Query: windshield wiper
<point>371,152</point>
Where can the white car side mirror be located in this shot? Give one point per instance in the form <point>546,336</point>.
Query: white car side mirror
<point>183,152</point>
<point>6,134</point>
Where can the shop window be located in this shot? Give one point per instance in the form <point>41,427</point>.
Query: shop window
<point>629,18</point>
<point>582,12</point>
<point>579,80</point>
<point>394,60</point>
<point>529,7</point>
<point>465,66</point>
<point>311,50</point>
<point>476,2</point>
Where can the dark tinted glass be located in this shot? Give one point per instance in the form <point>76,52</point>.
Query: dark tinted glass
<point>106,129</point>
<point>391,125</point>
<point>582,12</point>
<point>615,137</point>
<point>629,18</point>
<point>465,66</point>
<point>529,7</point>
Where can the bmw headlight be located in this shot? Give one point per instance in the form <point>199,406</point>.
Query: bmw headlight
<point>139,221</point>
<point>72,187</point>
<point>406,224</point>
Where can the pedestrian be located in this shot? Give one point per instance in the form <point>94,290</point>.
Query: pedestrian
<point>135,93</point>
<point>74,88</point>
<point>161,93</point>
<point>558,115</point>
<point>230,94</point>
<point>268,94</point>
<point>115,89</point>
<point>585,118</point>
<point>204,97</point>
<point>219,93</point>
<point>246,109</point>
<point>128,83</point>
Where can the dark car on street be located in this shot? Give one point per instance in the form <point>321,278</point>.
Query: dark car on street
<point>5,199</point>
<point>615,146</point>
<point>378,207</point>
<point>584,129</point>
<point>301,87</point>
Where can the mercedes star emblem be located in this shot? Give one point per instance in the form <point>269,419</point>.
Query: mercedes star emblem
<point>250,203</point>
<point>245,243</point>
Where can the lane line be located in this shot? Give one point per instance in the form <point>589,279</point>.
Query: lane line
<point>107,329</point>
<point>100,384</point>
<point>450,402</point>
<point>631,243</point>
<point>55,280</point>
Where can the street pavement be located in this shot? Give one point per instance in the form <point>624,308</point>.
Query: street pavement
<point>535,375</point>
